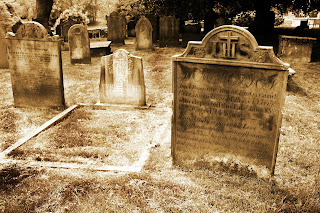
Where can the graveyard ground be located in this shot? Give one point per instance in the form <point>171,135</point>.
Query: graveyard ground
<point>159,187</point>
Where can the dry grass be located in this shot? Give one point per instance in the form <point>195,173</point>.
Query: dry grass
<point>160,187</point>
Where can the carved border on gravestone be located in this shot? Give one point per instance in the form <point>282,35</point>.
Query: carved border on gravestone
<point>27,31</point>
<point>230,43</point>
<point>210,79</point>
<point>118,86</point>
<point>35,67</point>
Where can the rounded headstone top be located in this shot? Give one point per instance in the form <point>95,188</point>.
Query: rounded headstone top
<point>143,22</point>
<point>114,13</point>
<point>32,30</point>
<point>234,44</point>
<point>77,29</point>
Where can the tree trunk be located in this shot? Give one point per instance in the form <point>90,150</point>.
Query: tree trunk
<point>43,10</point>
<point>263,24</point>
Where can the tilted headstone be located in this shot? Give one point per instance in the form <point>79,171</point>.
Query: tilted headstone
<point>144,34</point>
<point>4,63</point>
<point>295,49</point>
<point>35,67</point>
<point>116,28</point>
<point>79,44</point>
<point>122,79</point>
<point>169,31</point>
<point>228,95</point>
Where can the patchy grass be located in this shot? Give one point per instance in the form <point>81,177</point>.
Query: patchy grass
<point>106,137</point>
<point>160,187</point>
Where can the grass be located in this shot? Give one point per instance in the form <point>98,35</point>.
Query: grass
<point>160,187</point>
<point>105,137</point>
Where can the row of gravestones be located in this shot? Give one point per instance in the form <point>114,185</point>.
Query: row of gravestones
<point>79,43</point>
<point>228,92</point>
<point>168,30</point>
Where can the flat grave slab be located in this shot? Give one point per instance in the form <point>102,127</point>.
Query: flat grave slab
<point>97,138</point>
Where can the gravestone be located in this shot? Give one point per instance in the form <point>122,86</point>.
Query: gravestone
<point>122,79</point>
<point>228,95</point>
<point>144,34</point>
<point>295,49</point>
<point>116,28</point>
<point>154,20</point>
<point>4,63</point>
<point>35,67</point>
<point>169,31</point>
<point>79,44</point>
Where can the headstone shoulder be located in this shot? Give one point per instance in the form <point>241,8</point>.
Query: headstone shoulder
<point>232,43</point>
<point>32,30</point>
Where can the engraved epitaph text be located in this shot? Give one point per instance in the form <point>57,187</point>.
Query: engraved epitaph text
<point>226,110</point>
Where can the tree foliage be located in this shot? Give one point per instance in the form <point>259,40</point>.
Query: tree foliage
<point>8,13</point>
<point>195,9</point>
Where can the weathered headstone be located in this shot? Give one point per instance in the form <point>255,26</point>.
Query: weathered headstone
<point>154,20</point>
<point>169,31</point>
<point>144,34</point>
<point>116,28</point>
<point>228,95</point>
<point>79,44</point>
<point>35,67</point>
<point>4,63</point>
<point>122,79</point>
<point>295,49</point>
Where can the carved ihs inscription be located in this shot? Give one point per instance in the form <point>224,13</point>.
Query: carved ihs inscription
<point>227,45</point>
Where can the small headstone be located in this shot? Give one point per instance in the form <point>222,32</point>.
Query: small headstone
<point>295,49</point>
<point>228,95</point>
<point>144,34</point>
<point>169,31</point>
<point>122,79</point>
<point>79,44</point>
<point>116,28</point>
<point>35,67</point>
<point>4,63</point>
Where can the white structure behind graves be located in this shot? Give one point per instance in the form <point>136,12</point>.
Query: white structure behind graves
<point>228,95</point>
<point>35,67</point>
<point>122,79</point>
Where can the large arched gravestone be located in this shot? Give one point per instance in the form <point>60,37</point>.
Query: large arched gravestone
<point>228,95</point>
<point>79,44</point>
<point>35,67</point>
<point>144,34</point>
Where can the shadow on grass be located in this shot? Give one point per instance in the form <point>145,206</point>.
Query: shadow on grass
<point>295,88</point>
<point>12,175</point>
